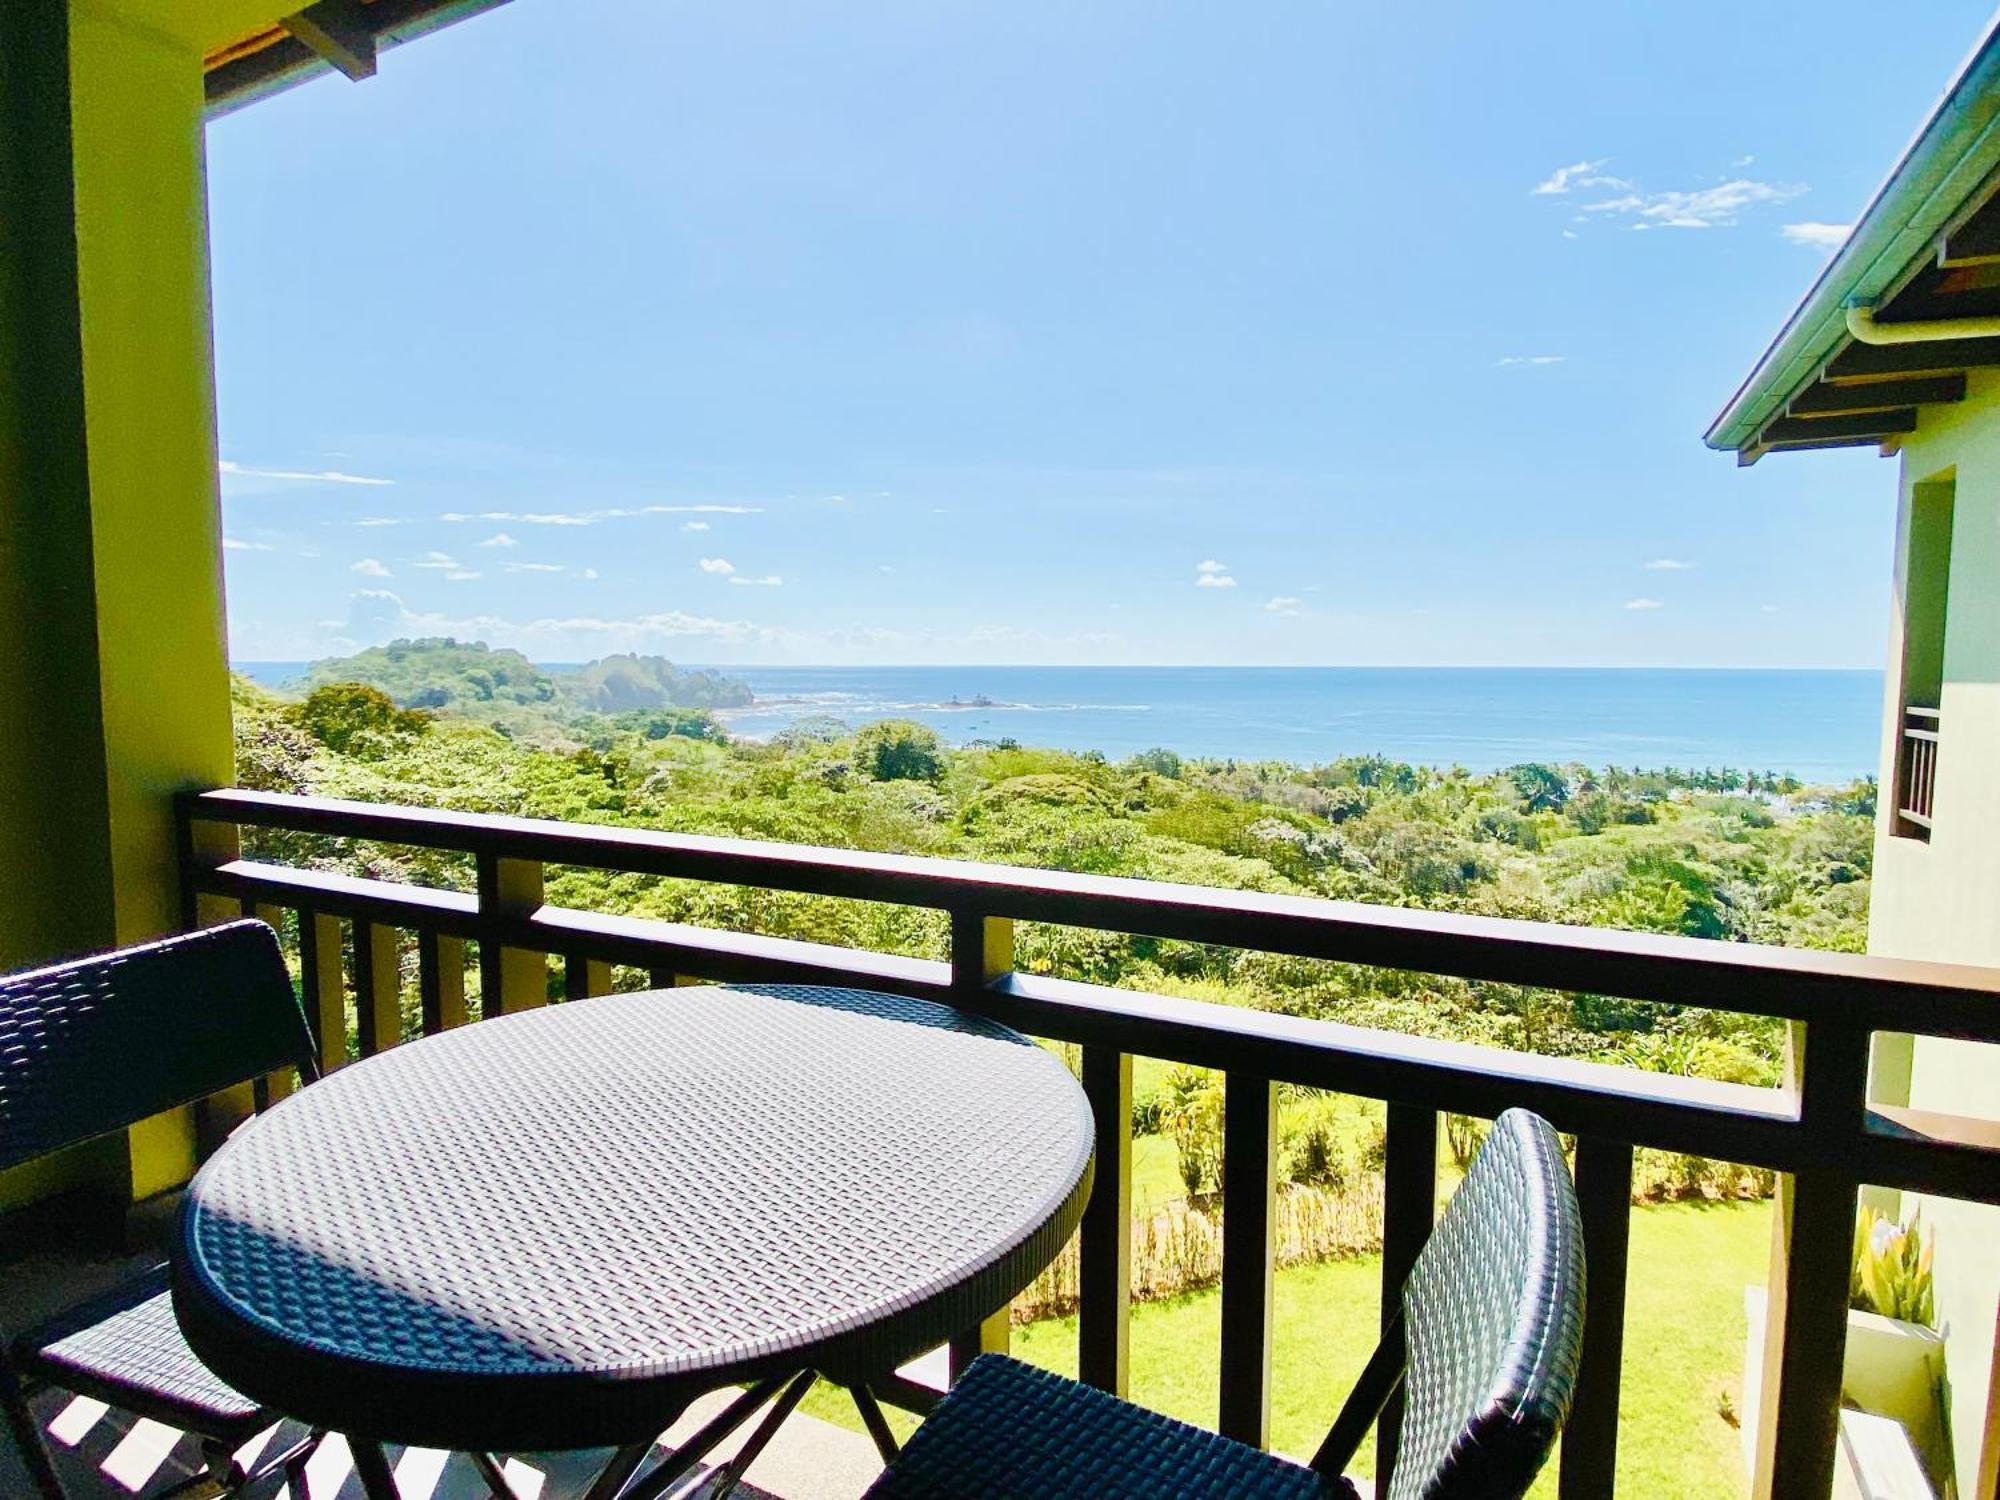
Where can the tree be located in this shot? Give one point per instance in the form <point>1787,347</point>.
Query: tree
<point>1541,788</point>
<point>900,750</point>
<point>351,717</point>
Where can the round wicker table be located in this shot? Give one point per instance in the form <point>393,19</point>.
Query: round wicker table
<point>555,1229</point>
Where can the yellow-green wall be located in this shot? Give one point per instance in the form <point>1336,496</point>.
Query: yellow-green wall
<point>1941,899</point>
<point>108,507</point>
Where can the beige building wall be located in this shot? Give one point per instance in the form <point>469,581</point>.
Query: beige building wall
<point>1940,899</point>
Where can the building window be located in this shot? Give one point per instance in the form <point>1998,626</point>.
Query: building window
<point>1926,589</point>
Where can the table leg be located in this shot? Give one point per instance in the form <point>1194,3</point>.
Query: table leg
<point>734,1470</point>
<point>495,1477</point>
<point>618,1473</point>
<point>872,1418</point>
<point>662,1476</point>
<point>371,1466</point>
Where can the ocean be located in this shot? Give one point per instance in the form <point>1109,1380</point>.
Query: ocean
<point>1819,726</point>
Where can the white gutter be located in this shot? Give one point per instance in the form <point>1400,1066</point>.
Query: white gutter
<point>1955,153</point>
<point>1861,323</point>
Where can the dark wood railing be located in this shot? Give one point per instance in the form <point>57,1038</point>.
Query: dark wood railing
<point>1819,1130</point>
<point>1916,772</point>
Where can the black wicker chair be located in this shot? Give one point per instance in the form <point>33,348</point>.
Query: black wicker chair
<point>1486,1350</point>
<point>90,1047</point>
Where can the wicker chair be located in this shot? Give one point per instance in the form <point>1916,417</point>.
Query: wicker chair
<point>90,1047</point>
<point>1486,1350</point>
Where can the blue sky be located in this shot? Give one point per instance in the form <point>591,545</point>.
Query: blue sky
<point>1120,333</point>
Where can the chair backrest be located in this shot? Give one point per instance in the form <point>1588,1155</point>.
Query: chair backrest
<point>92,1046</point>
<point>1493,1323</point>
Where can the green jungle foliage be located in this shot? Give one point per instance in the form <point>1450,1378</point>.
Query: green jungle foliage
<point>1711,854</point>
<point>506,691</point>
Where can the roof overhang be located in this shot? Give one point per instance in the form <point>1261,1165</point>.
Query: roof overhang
<point>332,36</point>
<point>1927,247</point>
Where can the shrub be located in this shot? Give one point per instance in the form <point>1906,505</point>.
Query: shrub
<point>900,750</point>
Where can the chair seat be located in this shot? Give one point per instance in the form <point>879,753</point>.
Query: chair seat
<point>1009,1431</point>
<point>124,1347</point>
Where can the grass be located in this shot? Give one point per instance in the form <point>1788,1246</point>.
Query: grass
<point>1683,1349</point>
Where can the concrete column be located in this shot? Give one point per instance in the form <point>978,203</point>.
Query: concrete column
<point>114,686</point>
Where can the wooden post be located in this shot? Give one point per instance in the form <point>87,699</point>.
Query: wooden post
<point>322,992</point>
<point>1104,1252</point>
<point>378,987</point>
<point>584,976</point>
<point>1249,1213</point>
<point>510,979</point>
<point>1409,1211</point>
<point>1812,1246</point>
<point>1590,1440</point>
<point>441,980</point>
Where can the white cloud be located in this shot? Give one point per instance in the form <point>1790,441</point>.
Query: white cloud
<point>303,476</point>
<point>1744,161</point>
<point>377,615</point>
<point>1581,174</point>
<point>588,574</point>
<point>514,567</point>
<point>1211,566</point>
<point>1529,359</point>
<point>1696,208</point>
<point>1644,604</point>
<point>768,581</point>
<point>1816,235</point>
<point>370,567</point>
<point>1214,581</point>
<point>694,526</point>
<point>528,518</point>
<point>1668,565</point>
<point>443,562</point>
<point>232,544</point>
<point>499,539</point>
<point>380,521</point>
<point>460,575</point>
<point>1284,604</point>
<point>717,565</point>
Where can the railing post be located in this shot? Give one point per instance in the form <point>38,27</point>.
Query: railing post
<point>1812,1248</point>
<point>321,990</point>
<point>982,949</point>
<point>441,980</point>
<point>1589,1463</point>
<point>1104,1251</point>
<point>510,979</point>
<point>1249,1214</point>
<point>584,976</point>
<point>378,988</point>
<point>1409,1211</point>
<point>273,1086</point>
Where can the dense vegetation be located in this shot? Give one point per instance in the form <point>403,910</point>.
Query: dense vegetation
<point>1706,854</point>
<point>506,691</point>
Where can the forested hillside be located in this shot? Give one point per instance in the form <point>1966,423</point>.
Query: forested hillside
<point>503,689</point>
<point>1698,853</point>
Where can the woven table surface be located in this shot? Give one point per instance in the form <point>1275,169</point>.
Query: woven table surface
<point>550,1229</point>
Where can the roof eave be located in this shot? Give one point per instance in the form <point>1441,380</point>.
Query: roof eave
<point>1954,154</point>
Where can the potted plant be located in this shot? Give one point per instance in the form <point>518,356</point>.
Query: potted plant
<point>1895,1358</point>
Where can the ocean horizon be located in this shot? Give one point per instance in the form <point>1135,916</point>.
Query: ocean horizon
<point>1816,724</point>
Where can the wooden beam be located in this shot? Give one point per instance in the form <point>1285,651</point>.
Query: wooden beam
<point>1755,451</point>
<point>1825,400</point>
<point>337,31</point>
<point>1888,361</point>
<point>1976,242</point>
<point>1872,425</point>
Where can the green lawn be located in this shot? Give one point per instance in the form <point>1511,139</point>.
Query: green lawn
<point>1683,1349</point>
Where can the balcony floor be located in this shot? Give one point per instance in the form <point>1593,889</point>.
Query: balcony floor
<point>109,1455</point>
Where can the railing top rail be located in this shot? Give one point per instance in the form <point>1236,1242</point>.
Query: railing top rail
<point>1799,984</point>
